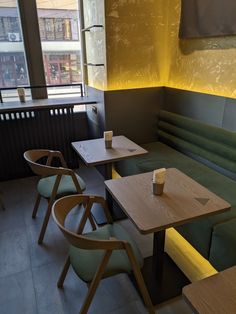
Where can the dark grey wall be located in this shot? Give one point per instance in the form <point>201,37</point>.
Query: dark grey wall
<point>215,110</point>
<point>134,113</point>
<point>96,113</point>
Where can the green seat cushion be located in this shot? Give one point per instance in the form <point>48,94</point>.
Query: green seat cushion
<point>66,186</point>
<point>86,262</point>
<point>223,246</point>
<point>160,155</point>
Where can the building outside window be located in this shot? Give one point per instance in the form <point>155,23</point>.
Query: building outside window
<point>13,68</point>
<point>59,32</point>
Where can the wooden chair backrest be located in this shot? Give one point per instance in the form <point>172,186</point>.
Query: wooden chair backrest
<point>32,156</point>
<point>62,207</point>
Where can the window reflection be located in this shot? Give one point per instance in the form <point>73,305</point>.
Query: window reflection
<point>59,32</point>
<point>13,69</point>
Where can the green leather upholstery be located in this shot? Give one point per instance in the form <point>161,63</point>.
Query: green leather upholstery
<point>86,262</point>
<point>66,186</point>
<point>214,144</point>
<point>223,247</point>
<point>208,235</point>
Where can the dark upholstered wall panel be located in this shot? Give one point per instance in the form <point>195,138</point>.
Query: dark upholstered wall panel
<point>229,118</point>
<point>205,108</point>
<point>96,113</point>
<point>133,113</point>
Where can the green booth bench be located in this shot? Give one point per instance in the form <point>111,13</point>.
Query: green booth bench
<point>208,155</point>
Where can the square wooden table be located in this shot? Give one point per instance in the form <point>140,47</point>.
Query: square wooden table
<point>184,200</point>
<point>94,153</point>
<point>215,294</point>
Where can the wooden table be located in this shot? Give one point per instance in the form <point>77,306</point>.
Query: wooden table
<point>94,153</point>
<point>213,295</point>
<point>183,200</point>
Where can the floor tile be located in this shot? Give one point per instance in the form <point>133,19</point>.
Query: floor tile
<point>175,306</point>
<point>17,294</point>
<point>135,307</point>
<point>54,247</point>
<point>50,298</point>
<point>14,257</point>
<point>11,218</point>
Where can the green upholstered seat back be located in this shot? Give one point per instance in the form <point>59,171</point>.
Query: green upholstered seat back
<point>86,262</point>
<point>211,143</point>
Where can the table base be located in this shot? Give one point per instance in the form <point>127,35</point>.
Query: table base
<point>98,212</point>
<point>169,287</point>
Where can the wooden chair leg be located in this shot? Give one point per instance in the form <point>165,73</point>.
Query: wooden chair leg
<point>93,225</point>
<point>63,273</point>
<point>45,223</point>
<point>94,283</point>
<point>143,290</point>
<point>140,280</point>
<point>36,206</point>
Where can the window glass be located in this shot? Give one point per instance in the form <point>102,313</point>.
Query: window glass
<point>59,32</point>
<point>13,69</point>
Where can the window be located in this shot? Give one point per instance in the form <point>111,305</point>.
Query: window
<point>59,32</point>
<point>13,69</point>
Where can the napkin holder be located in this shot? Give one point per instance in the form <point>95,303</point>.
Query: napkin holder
<point>108,144</point>
<point>108,139</point>
<point>157,188</point>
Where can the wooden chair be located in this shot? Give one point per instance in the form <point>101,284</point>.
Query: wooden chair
<point>103,252</point>
<point>55,182</point>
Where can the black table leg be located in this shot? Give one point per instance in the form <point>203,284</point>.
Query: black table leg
<point>158,254</point>
<point>164,280</point>
<point>97,211</point>
<point>108,171</point>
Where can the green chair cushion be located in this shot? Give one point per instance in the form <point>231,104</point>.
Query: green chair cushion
<point>86,262</point>
<point>223,247</point>
<point>66,186</point>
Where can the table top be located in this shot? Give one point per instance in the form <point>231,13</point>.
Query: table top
<point>215,294</point>
<point>182,201</point>
<point>93,152</point>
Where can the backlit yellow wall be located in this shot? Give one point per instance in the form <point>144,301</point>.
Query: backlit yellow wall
<point>134,38</point>
<point>140,48</point>
<point>204,65</point>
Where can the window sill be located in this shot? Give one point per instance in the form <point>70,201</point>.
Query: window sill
<point>39,104</point>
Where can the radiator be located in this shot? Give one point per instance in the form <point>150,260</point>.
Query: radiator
<point>44,128</point>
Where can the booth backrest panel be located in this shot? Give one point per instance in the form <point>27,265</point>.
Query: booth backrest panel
<point>211,143</point>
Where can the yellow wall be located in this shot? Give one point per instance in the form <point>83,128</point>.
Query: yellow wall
<point>204,65</point>
<point>141,48</point>
<point>134,31</point>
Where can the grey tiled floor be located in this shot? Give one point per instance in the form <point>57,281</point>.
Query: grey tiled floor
<point>28,272</point>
